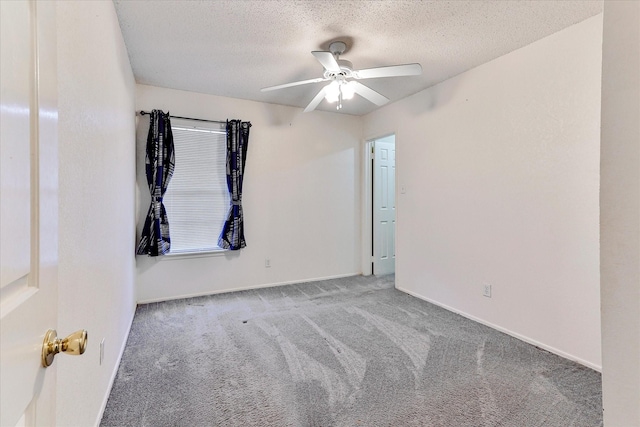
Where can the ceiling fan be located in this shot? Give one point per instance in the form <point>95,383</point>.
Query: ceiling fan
<point>342,77</point>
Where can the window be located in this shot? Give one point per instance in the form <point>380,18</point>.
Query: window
<point>197,198</point>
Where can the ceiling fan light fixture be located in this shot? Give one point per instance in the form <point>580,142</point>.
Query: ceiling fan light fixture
<point>348,90</point>
<point>332,92</point>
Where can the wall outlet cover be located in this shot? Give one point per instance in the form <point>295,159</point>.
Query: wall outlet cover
<point>487,291</point>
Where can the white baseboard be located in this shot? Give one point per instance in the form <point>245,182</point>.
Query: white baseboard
<point>246,288</point>
<point>507,331</point>
<point>115,369</point>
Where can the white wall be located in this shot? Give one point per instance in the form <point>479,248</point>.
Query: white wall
<point>301,198</point>
<point>97,200</point>
<point>620,214</point>
<point>501,170</point>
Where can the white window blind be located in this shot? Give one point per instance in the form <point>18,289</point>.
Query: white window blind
<point>197,198</point>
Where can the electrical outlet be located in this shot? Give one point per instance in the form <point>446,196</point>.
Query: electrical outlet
<point>487,291</point>
<point>267,263</point>
<point>101,351</point>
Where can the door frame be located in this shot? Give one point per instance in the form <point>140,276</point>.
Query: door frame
<point>367,199</point>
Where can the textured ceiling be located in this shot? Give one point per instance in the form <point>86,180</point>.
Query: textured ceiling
<point>234,48</point>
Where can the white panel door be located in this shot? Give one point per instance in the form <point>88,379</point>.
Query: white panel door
<point>28,209</point>
<point>384,206</point>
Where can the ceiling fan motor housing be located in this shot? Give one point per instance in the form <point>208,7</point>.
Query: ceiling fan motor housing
<point>346,70</point>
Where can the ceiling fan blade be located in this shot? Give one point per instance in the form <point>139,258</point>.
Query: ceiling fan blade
<point>327,60</point>
<point>301,82</point>
<point>316,100</point>
<point>391,71</point>
<point>369,93</point>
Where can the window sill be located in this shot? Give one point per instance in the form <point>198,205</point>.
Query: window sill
<point>198,254</point>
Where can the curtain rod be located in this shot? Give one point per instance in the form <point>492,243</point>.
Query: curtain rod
<point>143,113</point>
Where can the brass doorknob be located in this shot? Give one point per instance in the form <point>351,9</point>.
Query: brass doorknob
<point>75,344</point>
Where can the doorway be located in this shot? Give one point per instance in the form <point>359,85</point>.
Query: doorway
<point>381,208</point>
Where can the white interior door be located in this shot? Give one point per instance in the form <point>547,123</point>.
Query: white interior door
<point>384,206</point>
<point>28,209</point>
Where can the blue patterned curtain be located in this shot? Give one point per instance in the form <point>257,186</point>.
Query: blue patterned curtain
<point>160,161</point>
<point>232,236</point>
